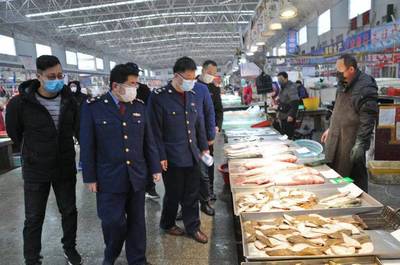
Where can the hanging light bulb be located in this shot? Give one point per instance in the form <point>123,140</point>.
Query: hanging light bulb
<point>288,10</point>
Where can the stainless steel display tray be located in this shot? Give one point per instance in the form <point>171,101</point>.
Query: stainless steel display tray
<point>233,173</point>
<point>362,260</point>
<point>385,245</point>
<point>368,203</point>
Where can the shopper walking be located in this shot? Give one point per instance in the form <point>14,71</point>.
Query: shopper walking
<point>43,118</point>
<point>181,140</point>
<point>288,105</point>
<point>117,147</point>
<point>207,77</point>
<point>352,122</point>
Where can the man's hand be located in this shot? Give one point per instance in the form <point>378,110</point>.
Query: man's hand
<point>324,136</point>
<point>290,119</point>
<point>92,187</point>
<point>157,177</point>
<point>357,153</point>
<point>210,142</point>
<point>217,129</point>
<point>164,165</point>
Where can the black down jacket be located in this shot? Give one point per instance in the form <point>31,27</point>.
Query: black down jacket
<point>48,152</point>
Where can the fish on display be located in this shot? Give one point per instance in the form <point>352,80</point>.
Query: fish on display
<point>307,235</point>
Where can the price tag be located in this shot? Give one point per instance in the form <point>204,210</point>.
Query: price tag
<point>396,234</point>
<point>283,137</point>
<point>354,190</point>
<point>330,174</point>
<point>303,150</point>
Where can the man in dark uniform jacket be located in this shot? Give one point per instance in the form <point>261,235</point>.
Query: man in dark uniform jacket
<point>117,148</point>
<point>43,119</point>
<point>207,77</point>
<point>181,140</point>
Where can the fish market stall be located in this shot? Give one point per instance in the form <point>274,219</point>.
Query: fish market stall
<point>291,208</point>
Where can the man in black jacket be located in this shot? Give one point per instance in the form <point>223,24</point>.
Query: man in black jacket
<point>207,76</point>
<point>352,122</point>
<point>288,105</point>
<point>43,118</point>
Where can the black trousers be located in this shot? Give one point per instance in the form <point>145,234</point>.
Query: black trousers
<point>211,171</point>
<point>123,221</point>
<point>207,179</point>
<point>287,128</point>
<point>360,175</point>
<point>150,185</point>
<point>36,195</point>
<point>181,187</point>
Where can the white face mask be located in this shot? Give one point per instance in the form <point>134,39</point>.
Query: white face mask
<point>208,78</point>
<point>130,93</point>
<point>73,89</point>
<point>187,85</point>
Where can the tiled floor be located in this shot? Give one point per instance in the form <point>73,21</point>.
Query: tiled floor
<point>161,249</point>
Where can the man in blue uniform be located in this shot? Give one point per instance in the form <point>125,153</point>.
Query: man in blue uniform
<point>116,145</point>
<point>181,140</point>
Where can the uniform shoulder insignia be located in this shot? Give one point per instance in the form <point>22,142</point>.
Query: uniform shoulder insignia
<point>139,100</point>
<point>91,100</point>
<point>159,90</point>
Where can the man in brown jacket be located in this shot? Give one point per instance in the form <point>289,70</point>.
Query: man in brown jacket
<point>352,122</point>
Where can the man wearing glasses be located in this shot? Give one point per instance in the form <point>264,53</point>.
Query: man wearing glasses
<point>43,119</point>
<point>180,135</point>
<point>117,150</point>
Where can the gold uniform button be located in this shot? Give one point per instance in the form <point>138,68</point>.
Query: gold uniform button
<point>128,162</point>
<point>124,123</point>
<point>189,132</point>
<point>125,137</point>
<point>186,112</point>
<point>138,121</point>
<point>104,122</point>
<point>190,140</point>
<point>127,150</point>
<point>173,113</point>
<point>187,122</point>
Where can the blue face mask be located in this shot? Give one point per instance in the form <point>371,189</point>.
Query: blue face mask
<point>53,86</point>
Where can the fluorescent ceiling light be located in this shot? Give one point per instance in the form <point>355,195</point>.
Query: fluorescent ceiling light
<point>155,16</point>
<point>253,48</point>
<point>288,10</point>
<point>250,53</point>
<point>275,25</point>
<point>162,26</point>
<point>260,43</point>
<point>69,10</point>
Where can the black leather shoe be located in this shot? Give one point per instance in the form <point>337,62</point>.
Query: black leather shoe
<point>207,209</point>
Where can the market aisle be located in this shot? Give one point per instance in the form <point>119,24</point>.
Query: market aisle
<point>162,249</point>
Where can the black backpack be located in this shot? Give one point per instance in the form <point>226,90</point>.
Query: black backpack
<point>264,84</point>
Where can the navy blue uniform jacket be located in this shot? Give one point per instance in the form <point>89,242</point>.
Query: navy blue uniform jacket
<point>115,148</point>
<point>178,128</point>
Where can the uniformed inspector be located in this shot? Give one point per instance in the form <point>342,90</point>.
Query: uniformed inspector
<point>116,145</point>
<point>181,139</point>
